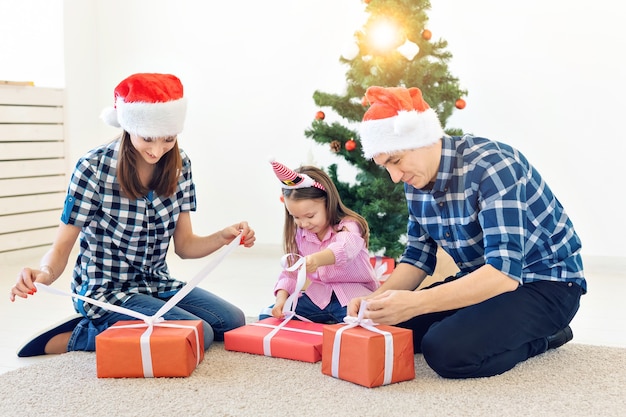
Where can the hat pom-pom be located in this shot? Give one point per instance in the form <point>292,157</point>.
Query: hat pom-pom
<point>109,116</point>
<point>406,122</point>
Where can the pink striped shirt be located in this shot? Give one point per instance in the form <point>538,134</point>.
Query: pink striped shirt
<point>352,274</point>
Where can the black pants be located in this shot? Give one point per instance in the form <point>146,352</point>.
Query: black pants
<point>491,337</point>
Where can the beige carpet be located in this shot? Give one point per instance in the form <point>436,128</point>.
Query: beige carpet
<point>575,380</point>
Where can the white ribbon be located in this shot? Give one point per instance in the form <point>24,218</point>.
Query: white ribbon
<point>157,318</point>
<point>369,325</point>
<point>380,267</point>
<point>289,309</point>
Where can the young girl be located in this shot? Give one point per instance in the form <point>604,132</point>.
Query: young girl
<point>334,240</point>
<point>127,200</point>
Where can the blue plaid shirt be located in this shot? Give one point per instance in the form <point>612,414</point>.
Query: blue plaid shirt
<point>489,205</point>
<point>123,242</point>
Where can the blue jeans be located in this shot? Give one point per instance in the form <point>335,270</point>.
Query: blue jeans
<point>491,337</point>
<point>218,316</point>
<point>333,313</point>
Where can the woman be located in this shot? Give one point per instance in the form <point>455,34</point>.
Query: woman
<point>126,200</point>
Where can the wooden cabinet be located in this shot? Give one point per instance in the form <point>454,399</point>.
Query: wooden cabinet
<point>33,168</point>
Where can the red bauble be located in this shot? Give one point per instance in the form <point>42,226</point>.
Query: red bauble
<point>364,101</point>
<point>350,145</point>
<point>320,115</point>
<point>460,104</point>
<point>427,34</point>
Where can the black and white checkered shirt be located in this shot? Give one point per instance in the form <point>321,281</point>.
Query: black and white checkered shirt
<point>123,242</point>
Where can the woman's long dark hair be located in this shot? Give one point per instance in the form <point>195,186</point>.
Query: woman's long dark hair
<point>166,173</point>
<point>335,209</point>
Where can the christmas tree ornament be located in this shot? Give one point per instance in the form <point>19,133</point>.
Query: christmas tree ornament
<point>460,104</point>
<point>364,101</point>
<point>408,50</point>
<point>320,115</point>
<point>335,146</point>
<point>351,51</point>
<point>427,34</point>
<point>350,145</point>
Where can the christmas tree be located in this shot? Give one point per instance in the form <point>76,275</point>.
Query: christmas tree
<point>393,48</point>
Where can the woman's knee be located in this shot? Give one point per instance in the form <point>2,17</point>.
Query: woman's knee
<point>209,336</point>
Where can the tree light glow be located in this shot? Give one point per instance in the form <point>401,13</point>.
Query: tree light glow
<point>384,35</point>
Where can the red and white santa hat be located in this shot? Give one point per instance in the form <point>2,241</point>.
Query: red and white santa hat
<point>149,105</point>
<point>398,119</point>
<point>291,179</point>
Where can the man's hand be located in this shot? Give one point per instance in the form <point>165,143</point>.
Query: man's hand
<point>392,307</point>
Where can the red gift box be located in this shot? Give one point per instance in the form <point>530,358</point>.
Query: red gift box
<point>128,349</point>
<point>366,357</point>
<point>298,340</point>
<point>383,266</point>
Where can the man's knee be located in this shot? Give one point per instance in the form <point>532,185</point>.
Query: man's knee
<point>446,357</point>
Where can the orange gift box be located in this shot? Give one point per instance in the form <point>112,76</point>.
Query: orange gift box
<point>362,354</point>
<point>297,340</point>
<point>175,347</point>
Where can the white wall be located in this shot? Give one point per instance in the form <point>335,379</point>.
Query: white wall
<point>542,76</point>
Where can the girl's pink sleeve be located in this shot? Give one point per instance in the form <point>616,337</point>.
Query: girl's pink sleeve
<point>347,243</point>
<point>287,281</point>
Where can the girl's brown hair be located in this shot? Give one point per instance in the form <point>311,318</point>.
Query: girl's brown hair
<point>335,209</point>
<point>166,173</point>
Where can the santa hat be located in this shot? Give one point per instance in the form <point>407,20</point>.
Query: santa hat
<point>291,179</point>
<point>398,119</point>
<point>149,105</point>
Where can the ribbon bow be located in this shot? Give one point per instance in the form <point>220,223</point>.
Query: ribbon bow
<point>369,325</point>
<point>157,318</point>
<point>289,309</point>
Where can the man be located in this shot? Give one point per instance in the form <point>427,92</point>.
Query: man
<point>521,274</point>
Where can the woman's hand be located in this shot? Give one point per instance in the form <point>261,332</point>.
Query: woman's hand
<point>247,234</point>
<point>26,279</point>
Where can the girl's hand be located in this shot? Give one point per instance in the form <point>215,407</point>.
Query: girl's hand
<point>281,298</point>
<point>321,258</point>
<point>277,310</point>
<point>311,264</point>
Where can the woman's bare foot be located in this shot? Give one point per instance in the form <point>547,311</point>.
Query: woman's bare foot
<point>58,344</point>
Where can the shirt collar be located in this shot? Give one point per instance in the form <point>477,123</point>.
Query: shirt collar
<point>446,166</point>
<point>312,237</point>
